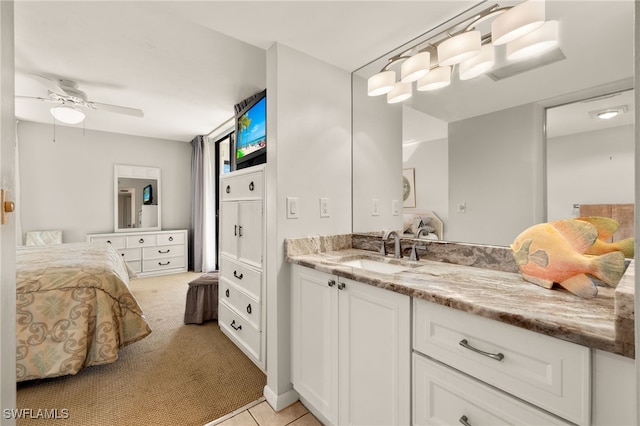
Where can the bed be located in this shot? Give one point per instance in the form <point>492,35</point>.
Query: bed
<point>73,309</point>
<point>423,224</point>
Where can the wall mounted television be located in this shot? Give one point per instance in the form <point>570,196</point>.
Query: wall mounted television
<point>147,194</point>
<point>251,131</point>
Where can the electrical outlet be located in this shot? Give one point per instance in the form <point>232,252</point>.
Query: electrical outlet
<point>375,207</point>
<point>292,208</point>
<point>462,207</point>
<point>395,207</point>
<point>324,207</point>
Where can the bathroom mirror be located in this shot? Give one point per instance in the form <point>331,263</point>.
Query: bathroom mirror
<point>137,198</point>
<point>478,147</point>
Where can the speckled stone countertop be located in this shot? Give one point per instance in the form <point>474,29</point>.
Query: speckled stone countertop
<point>482,280</point>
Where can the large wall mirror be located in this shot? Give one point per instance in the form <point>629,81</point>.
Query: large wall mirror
<point>478,149</point>
<point>137,199</point>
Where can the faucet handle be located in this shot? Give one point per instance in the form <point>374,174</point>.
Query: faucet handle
<point>414,253</point>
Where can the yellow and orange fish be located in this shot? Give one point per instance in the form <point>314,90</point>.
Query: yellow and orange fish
<point>606,228</point>
<point>556,252</point>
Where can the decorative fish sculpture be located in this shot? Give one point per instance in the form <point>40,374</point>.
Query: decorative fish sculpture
<point>606,228</point>
<point>555,252</point>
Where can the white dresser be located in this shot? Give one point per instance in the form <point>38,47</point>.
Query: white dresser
<point>241,290</point>
<point>150,253</point>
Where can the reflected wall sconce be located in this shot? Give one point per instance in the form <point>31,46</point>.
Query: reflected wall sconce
<point>522,28</point>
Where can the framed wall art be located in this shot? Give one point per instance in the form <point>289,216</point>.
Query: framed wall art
<point>408,188</point>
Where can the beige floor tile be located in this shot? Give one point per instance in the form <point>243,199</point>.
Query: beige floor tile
<point>241,419</point>
<point>265,416</point>
<point>306,420</point>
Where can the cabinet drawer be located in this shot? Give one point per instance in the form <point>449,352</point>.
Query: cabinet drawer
<point>147,240</point>
<point>118,241</point>
<point>547,372</point>
<point>135,265</point>
<point>160,264</point>
<point>241,330</point>
<point>249,185</point>
<point>443,396</point>
<point>242,276</point>
<point>170,239</point>
<point>162,252</point>
<point>247,307</point>
<point>131,255</point>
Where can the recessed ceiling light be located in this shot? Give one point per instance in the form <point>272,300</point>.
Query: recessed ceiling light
<point>608,113</point>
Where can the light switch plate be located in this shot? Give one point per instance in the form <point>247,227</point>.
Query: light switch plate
<point>375,207</point>
<point>324,207</point>
<point>395,207</point>
<point>293,206</point>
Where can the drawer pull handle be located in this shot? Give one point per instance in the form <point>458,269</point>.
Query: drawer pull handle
<point>249,308</point>
<point>164,264</point>
<point>251,186</point>
<point>141,240</point>
<point>235,274</point>
<point>240,231</point>
<point>164,252</point>
<point>228,189</point>
<point>331,283</point>
<point>234,326</point>
<point>465,421</point>
<point>235,230</point>
<point>226,292</point>
<point>498,357</point>
<point>170,238</point>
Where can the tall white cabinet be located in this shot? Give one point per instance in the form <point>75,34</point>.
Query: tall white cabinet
<point>241,278</point>
<point>350,349</point>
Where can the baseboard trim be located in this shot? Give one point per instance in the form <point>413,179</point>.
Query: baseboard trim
<point>278,402</point>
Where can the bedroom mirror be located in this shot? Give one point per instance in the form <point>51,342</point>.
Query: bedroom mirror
<point>137,199</point>
<point>476,150</point>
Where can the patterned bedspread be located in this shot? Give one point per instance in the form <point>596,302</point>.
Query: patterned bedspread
<point>74,308</point>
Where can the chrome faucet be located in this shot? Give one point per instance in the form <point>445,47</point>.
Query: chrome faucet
<point>397,253</point>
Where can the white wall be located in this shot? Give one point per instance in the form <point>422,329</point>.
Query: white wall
<point>377,165</point>
<point>496,167</point>
<point>68,184</point>
<point>308,156</point>
<point>589,168</point>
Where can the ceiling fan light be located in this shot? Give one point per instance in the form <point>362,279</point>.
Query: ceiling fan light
<point>436,79</point>
<point>541,40</point>
<point>415,67</point>
<point>518,21</point>
<point>400,92</point>
<point>479,64</point>
<point>381,83</point>
<point>459,48</point>
<point>67,114</point>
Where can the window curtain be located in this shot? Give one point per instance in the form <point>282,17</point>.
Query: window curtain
<point>202,232</point>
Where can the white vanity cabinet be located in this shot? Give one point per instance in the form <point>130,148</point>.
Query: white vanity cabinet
<point>149,253</point>
<point>350,349</point>
<point>241,279</point>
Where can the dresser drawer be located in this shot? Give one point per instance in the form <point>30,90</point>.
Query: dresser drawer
<point>147,240</point>
<point>547,372</point>
<point>443,396</point>
<point>117,241</point>
<point>247,307</point>
<point>171,238</point>
<point>135,265</point>
<point>160,264</point>
<point>239,329</point>
<point>162,252</point>
<point>131,255</point>
<point>242,276</point>
<point>241,187</point>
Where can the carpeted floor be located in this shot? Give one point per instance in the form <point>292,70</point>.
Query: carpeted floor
<point>178,375</point>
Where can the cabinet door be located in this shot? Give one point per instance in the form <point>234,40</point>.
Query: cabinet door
<point>250,232</point>
<point>375,355</point>
<point>314,339</point>
<point>228,228</point>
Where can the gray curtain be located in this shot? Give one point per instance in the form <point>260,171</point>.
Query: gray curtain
<point>197,197</point>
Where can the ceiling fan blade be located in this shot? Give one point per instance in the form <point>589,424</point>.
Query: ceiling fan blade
<point>37,98</point>
<point>117,109</point>
<point>50,83</point>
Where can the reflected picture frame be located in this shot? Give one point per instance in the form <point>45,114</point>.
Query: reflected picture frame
<point>408,188</point>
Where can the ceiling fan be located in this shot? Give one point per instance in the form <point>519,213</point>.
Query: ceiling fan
<point>71,100</point>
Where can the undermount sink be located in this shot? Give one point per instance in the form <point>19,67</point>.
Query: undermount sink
<point>375,265</point>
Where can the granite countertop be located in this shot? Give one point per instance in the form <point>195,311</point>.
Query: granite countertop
<point>604,322</point>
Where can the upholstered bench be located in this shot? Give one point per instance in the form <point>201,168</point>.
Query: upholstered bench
<point>202,299</point>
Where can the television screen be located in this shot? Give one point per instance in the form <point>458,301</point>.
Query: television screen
<point>147,195</point>
<point>252,134</point>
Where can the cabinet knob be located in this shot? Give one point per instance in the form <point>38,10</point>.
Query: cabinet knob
<point>228,189</point>
<point>108,241</point>
<point>141,240</point>
<point>251,186</point>
<point>249,308</point>
<point>331,283</point>
<point>170,238</point>
<point>465,421</point>
<point>226,292</point>
<point>341,286</point>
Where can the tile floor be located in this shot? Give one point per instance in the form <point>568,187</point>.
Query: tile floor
<point>260,413</point>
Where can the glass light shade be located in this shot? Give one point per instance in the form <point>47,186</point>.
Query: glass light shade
<point>436,79</point>
<point>67,114</point>
<point>415,67</point>
<point>535,43</point>
<point>477,65</point>
<point>459,48</point>
<point>381,83</point>
<point>517,21</point>
<point>399,93</point>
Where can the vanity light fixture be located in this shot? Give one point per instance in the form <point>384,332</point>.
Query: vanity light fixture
<point>609,113</point>
<point>67,114</point>
<point>462,46</point>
